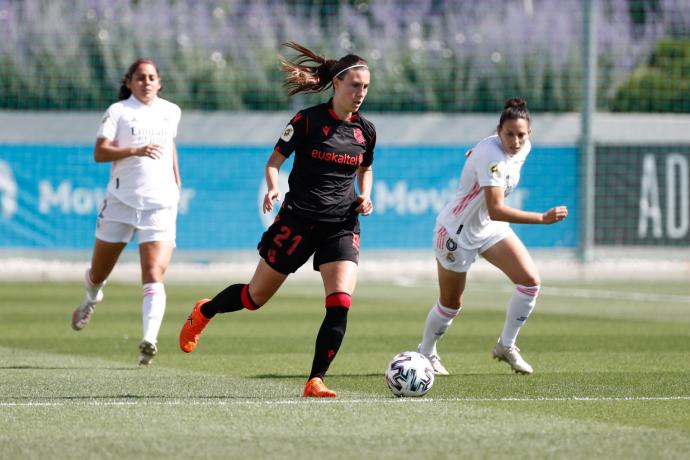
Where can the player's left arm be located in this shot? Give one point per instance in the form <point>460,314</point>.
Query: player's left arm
<point>365,180</point>
<point>499,210</point>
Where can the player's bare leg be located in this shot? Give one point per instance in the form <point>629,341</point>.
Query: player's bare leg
<point>511,256</point>
<point>264,284</point>
<point>154,257</point>
<point>339,281</point>
<point>451,287</point>
<point>103,260</point>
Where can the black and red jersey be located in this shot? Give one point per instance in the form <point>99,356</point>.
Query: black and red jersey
<point>328,153</point>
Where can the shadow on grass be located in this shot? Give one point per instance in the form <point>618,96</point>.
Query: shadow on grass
<point>124,398</point>
<point>304,376</point>
<point>66,368</point>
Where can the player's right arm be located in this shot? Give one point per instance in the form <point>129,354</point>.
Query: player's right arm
<point>272,180</point>
<point>106,150</point>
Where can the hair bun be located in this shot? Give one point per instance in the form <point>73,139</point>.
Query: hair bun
<point>516,102</point>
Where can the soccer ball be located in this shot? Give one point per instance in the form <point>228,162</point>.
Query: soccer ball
<point>409,374</point>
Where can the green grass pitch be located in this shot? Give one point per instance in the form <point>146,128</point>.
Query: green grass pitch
<point>612,377</point>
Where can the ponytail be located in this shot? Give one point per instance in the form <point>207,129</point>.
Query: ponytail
<point>311,73</point>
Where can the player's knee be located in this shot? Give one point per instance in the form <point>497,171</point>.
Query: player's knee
<point>154,274</point>
<point>529,279</point>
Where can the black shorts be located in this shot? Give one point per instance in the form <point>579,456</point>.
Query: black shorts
<point>289,242</point>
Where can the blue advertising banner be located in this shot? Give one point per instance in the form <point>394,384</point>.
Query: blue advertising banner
<point>49,195</point>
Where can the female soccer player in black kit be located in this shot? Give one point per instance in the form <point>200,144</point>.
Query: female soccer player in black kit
<point>333,144</point>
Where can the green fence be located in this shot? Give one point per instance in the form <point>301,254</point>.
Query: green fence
<point>425,55</point>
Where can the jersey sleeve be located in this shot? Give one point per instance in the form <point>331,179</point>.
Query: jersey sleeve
<point>108,126</point>
<point>370,133</point>
<point>178,116</point>
<point>490,168</point>
<point>293,135</point>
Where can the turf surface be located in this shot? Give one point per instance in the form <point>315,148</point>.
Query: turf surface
<point>612,377</point>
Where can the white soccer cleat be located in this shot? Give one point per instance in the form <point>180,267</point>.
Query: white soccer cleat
<point>435,360</point>
<point>511,355</point>
<point>82,315</point>
<point>147,351</point>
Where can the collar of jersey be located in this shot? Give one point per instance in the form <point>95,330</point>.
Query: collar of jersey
<point>138,103</point>
<point>334,115</point>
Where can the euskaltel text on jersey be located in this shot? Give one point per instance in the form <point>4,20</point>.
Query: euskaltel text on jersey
<point>328,153</point>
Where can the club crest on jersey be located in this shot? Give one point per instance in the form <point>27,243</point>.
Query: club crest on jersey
<point>359,137</point>
<point>495,169</point>
<point>287,133</point>
<point>326,130</point>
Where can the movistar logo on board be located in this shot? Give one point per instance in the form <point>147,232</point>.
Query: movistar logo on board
<point>8,191</point>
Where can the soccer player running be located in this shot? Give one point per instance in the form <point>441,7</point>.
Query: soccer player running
<point>333,145</point>
<point>477,221</point>
<point>137,135</point>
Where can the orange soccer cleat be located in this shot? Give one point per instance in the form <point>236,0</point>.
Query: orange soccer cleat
<point>193,327</point>
<point>315,388</point>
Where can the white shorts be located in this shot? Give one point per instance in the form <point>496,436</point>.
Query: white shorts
<point>118,223</point>
<point>454,258</point>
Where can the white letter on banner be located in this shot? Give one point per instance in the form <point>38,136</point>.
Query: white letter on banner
<point>83,201</point>
<point>417,201</point>
<point>49,197</point>
<point>677,226</point>
<point>395,198</point>
<point>649,199</point>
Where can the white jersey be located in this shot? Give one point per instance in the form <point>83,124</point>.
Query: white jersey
<point>142,182</point>
<point>466,217</point>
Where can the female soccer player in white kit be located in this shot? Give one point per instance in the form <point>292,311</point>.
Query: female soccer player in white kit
<point>477,221</point>
<point>137,134</point>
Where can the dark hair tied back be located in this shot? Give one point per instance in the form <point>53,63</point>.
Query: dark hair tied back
<point>312,73</point>
<point>513,109</point>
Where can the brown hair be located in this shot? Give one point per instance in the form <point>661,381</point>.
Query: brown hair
<point>126,92</point>
<point>312,73</point>
<point>513,109</point>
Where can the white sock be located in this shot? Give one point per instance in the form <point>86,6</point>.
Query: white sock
<point>153,309</point>
<point>521,305</point>
<point>92,289</point>
<point>438,321</point>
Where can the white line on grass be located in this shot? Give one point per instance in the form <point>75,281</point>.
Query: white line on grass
<point>588,293</point>
<point>617,295</point>
<point>290,402</point>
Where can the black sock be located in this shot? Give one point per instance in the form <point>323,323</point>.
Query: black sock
<point>329,339</point>
<point>230,299</point>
